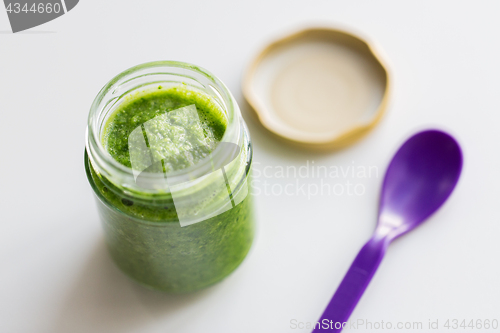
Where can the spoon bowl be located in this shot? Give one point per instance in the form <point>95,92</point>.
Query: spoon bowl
<point>419,179</point>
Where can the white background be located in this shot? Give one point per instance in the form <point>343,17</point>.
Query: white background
<point>55,274</point>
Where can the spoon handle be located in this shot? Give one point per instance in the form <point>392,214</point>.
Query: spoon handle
<point>352,286</point>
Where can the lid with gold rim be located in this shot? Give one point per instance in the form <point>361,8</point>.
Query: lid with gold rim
<point>319,87</point>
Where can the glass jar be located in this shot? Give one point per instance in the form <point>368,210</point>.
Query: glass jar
<point>182,230</point>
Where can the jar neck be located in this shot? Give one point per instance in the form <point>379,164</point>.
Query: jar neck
<point>144,77</point>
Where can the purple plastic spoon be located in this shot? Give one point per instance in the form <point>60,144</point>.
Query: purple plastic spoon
<point>419,179</point>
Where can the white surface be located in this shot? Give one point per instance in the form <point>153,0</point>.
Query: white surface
<point>55,275</point>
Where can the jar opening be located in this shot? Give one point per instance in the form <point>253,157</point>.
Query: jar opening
<point>127,87</point>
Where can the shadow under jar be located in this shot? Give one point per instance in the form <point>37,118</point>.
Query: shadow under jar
<point>168,156</point>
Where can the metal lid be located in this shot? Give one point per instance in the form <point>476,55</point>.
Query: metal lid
<point>319,87</point>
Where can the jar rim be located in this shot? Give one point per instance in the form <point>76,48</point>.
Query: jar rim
<point>122,176</point>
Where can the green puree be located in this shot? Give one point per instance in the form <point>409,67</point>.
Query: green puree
<point>144,107</point>
<point>143,235</point>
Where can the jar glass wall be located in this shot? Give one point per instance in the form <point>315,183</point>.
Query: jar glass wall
<point>178,230</point>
